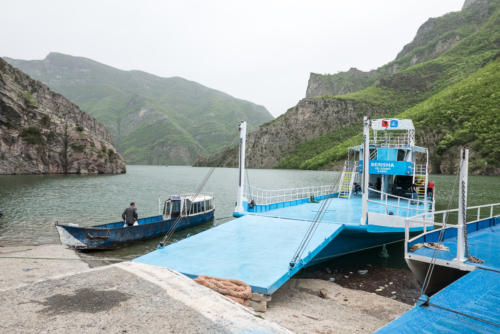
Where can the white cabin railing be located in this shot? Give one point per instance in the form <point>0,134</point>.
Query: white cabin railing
<point>392,203</point>
<point>391,139</point>
<point>264,196</point>
<point>448,219</point>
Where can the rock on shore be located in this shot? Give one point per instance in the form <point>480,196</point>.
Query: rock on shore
<point>41,132</point>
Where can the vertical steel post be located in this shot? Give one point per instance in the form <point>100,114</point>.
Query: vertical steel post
<point>241,175</point>
<point>462,204</point>
<point>366,169</point>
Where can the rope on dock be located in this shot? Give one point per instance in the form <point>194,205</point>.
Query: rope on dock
<point>234,289</point>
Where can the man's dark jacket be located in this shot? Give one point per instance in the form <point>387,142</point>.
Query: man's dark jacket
<point>130,215</point>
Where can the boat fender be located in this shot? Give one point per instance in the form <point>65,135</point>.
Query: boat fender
<point>252,204</point>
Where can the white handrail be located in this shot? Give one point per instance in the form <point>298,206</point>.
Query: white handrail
<point>401,197</point>
<point>264,196</point>
<point>444,224</point>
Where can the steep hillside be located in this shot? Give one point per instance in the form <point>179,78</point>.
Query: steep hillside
<point>433,38</point>
<point>153,120</point>
<point>315,133</point>
<point>42,132</point>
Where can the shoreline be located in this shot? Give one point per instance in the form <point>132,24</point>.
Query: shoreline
<point>309,302</point>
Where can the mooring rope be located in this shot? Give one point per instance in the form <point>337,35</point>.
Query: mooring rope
<point>62,258</point>
<point>496,324</point>
<point>430,269</point>
<point>311,229</point>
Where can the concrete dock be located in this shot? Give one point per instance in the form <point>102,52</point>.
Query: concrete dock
<point>121,298</point>
<point>50,289</point>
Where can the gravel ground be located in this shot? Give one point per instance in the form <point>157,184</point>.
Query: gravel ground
<point>299,307</point>
<point>398,284</point>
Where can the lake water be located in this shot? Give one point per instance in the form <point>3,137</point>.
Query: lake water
<point>33,204</point>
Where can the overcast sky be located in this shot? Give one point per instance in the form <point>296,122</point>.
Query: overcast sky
<point>261,51</point>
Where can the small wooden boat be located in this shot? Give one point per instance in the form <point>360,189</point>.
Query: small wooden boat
<point>186,210</point>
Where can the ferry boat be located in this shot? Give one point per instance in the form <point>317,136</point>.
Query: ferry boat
<point>179,212</point>
<point>278,232</point>
<point>458,267</point>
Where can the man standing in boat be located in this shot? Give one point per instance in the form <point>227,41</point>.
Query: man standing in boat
<point>130,215</point>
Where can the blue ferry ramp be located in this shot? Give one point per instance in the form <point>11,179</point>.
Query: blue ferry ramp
<point>254,249</point>
<point>469,305</point>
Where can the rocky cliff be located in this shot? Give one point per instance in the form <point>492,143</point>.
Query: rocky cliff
<point>448,55</point>
<point>42,132</point>
<point>309,119</point>
<point>340,83</point>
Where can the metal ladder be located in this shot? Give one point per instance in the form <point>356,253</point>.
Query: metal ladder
<point>347,180</point>
<point>421,181</point>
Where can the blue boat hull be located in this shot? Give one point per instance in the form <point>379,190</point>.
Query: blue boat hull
<point>354,239</point>
<point>114,235</point>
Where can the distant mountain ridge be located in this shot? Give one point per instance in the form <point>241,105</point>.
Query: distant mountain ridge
<point>153,120</point>
<point>447,80</point>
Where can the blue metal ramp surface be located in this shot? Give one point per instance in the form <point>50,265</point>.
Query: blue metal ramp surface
<point>254,249</point>
<point>469,305</point>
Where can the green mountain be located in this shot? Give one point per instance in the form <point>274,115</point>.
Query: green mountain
<point>152,120</point>
<point>447,80</point>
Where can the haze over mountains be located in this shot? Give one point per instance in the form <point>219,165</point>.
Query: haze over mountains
<point>152,120</point>
<point>447,80</point>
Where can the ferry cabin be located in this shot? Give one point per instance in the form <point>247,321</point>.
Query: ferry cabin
<point>397,166</point>
<point>187,205</point>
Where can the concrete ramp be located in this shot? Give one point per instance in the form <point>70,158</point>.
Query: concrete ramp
<point>254,249</point>
<point>125,298</point>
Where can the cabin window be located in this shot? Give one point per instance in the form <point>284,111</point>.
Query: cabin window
<point>166,209</point>
<point>175,210</point>
<point>401,155</point>
<point>202,208</point>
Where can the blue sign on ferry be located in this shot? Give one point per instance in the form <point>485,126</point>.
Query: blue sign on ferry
<point>383,167</point>
<point>394,123</point>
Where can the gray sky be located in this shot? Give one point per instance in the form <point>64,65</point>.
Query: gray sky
<point>261,51</point>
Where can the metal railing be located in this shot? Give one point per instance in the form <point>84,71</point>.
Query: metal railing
<point>263,196</point>
<point>447,219</point>
<point>399,203</point>
<point>420,169</point>
<point>391,140</point>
